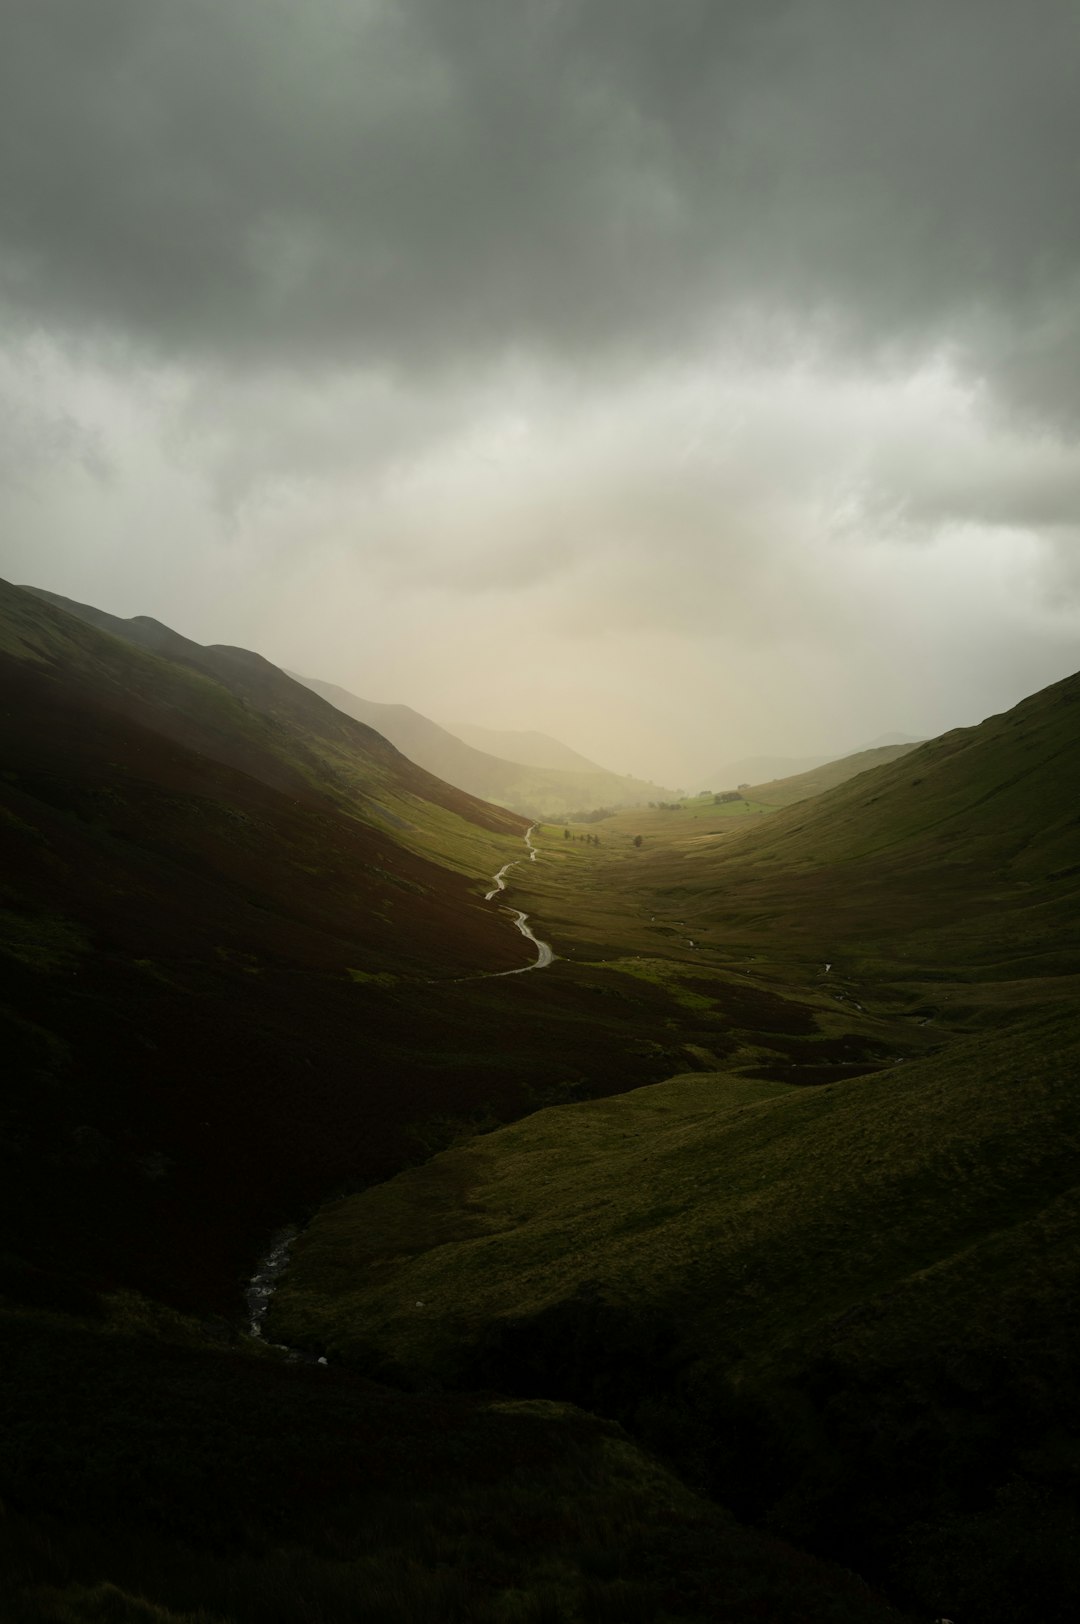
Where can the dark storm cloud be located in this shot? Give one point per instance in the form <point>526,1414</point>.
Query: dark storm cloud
<point>437,183</point>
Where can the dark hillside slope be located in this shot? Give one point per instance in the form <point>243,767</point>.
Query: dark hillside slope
<point>240,967</point>
<point>178,1483</point>
<point>195,933</point>
<point>223,992</point>
<point>294,720</point>
<point>850,1311</point>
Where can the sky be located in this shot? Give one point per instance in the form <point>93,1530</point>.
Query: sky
<point>687,381</point>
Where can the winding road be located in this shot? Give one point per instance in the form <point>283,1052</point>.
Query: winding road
<point>544,953</point>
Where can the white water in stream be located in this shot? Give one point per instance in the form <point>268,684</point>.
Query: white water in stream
<point>544,953</point>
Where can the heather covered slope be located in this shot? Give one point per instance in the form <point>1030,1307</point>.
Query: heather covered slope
<point>246,964</point>
<point>538,792</point>
<point>349,756</point>
<point>232,955</point>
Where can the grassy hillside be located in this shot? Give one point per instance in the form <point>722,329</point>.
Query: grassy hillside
<point>233,948</point>
<point>850,1309</point>
<point>827,1271</point>
<point>536,792</point>
<point>760,769</point>
<point>816,780</point>
<point>956,861</point>
<point>285,730</point>
<point>247,962</point>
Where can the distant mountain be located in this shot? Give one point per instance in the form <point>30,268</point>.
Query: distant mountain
<point>536,792</point>
<point>528,749</point>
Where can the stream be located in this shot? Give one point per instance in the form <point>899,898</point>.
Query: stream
<point>261,1286</point>
<point>544,953</point>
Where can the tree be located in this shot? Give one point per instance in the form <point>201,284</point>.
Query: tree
<point>638,840</point>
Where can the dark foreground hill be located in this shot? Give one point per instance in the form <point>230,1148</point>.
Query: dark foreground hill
<point>849,1310</point>
<point>247,962</point>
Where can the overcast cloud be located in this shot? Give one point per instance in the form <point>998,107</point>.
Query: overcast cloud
<point>687,380</point>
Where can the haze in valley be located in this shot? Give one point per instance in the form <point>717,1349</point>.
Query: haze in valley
<point>687,382</point>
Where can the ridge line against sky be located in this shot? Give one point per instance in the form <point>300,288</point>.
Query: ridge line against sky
<point>686,381</point>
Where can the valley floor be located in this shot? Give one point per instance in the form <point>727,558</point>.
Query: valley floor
<point>759,1203</point>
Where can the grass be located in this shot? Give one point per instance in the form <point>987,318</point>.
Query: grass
<point>40,942</point>
<point>801,1296</point>
<point>227,1486</point>
<point>827,1270</point>
<point>849,1310</point>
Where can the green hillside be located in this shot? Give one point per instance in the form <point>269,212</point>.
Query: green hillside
<point>801,786</point>
<point>850,1309</point>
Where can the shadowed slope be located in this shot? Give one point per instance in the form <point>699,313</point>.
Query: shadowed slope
<point>231,948</point>
<point>292,721</point>
<point>179,1484</point>
<point>243,964</point>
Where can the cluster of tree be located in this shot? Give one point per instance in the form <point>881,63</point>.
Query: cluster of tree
<point>666,806</point>
<point>590,840</point>
<point>727,795</point>
<point>595,816</point>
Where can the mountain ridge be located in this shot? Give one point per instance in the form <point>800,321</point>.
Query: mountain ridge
<point>528,748</point>
<point>533,791</point>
